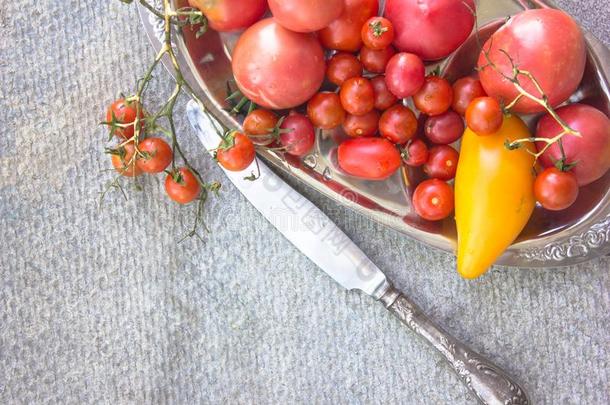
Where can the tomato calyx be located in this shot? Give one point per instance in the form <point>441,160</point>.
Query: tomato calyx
<point>378,28</point>
<point>563,166</point>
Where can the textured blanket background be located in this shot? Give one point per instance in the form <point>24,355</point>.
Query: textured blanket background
<point>102,305</point>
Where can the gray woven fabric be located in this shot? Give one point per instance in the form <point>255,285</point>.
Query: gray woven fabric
<point>102,305</point>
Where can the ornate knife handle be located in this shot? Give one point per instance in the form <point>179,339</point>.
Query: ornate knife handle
<point>487,381</point>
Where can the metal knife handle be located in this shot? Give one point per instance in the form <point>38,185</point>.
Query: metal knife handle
<point>488,382</point>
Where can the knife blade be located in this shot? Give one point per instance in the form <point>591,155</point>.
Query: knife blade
<point>316,236</point>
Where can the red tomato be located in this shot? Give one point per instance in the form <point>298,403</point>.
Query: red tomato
<point>431,29</point>
<point>416,153</point>
<point>384,99</point>
<point>124,163</point>
<point>325,110</point>
<point>259,126</point>
<point>343,66</point>
<point>362,125</point>
<point>231,15</point>
<point>369,158</point>
<point>238,154</point>
<point>377,33</point>
<point>546,42</point>
<point>405,74</point>
<point>157,155</point>
<point>433,200</point>
<point>267,61</point>
<point>305,16</point>
<point>484,116</point>
<point>590,152</point>
<point>376,61</point>
<point>125,113</point>
<point>182,186</point>
<point>442,163</point>
<point>465,90</point>
<point>556,190</point>
<point>398,124</point>
<point>357,96</point>
<point>343,34</point>
<point>299,135</point>
<point>445,128</point>
<point>434,97</point>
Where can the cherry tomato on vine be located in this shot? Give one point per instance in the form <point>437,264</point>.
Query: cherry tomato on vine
<point>231,15</point>
<point>377,33</point>
<point>556,190</point>
<point>182,186</point>
<point>416,153</point>
<point>343,34</point>
<point>343,66</point>
<point>362,125</point>
<point>398,124</point>
<point>124,112</point>
<point>376,61</point>
<point>298,136</point>
<point>445,128</point>
<point>236,153</point>
<point>434,97</point>
<point>465,90</point>
<point>357,96</point>
<point>484,116</point>
<point>384,99</point>
<point>259,126</point>
<point>157,155</point>
<point>325,110</point>
<point>442,163</point>
<point>123,161</point>
<point>405,74</point>
<point>433,200</point>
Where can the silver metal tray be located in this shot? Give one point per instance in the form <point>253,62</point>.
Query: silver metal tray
<point>550,239</point>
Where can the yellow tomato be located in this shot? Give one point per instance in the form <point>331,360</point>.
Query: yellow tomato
<point>494,195</point>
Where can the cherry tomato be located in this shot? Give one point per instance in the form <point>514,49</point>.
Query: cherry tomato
<point>362,125</point>
<point>125,112</point>
<point>433,200</point>
<point>157,155</point>
<point>305,16</point>
<point>556,190</point>
<point>182,186</point>
<point>237,153</point>
<point>445,128</point>
<point>405,74</point>
<point>484,116</point>
<point>231,15</point>
<point>442,163</point>
<point>376,61</point>
<point>384,99</point>
<point>416,153</point>
<point>269,68</point>
<point>369,158</point>
<point>259,126</point>
<point>343,66</point>
<point>325,110</point>
<point>299,135</point>
<point>377,33</point>
<point>465,90</point>
<point>123,162</point>
<point>434,97</point>
<point>398,124</point>
<point>343,34</point>
<point>357,96</point>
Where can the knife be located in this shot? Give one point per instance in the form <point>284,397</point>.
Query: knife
<point>318,238</point>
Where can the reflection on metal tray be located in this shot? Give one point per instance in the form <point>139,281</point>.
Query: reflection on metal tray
<point>550,239</point>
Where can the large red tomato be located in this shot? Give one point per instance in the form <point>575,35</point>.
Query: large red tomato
<point>546,42</point>
<point>278,68</point>
<point>231,15</point>
<point>345,33</point>
<point>590,152</point>
<point>305,16</point>
<point>431,29</point>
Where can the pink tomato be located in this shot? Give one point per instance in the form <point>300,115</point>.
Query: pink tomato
<point>405,74</point>
<point>277,68</point>
<point>305,16</point>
